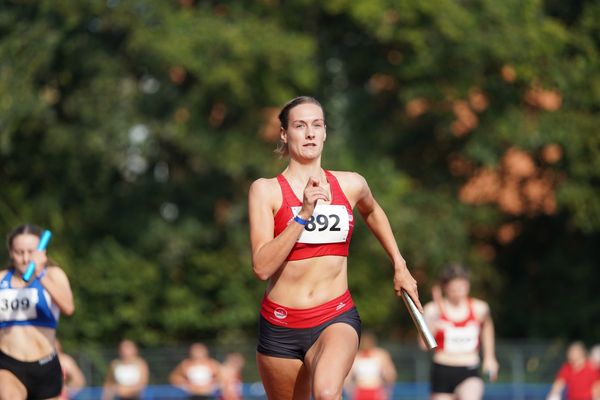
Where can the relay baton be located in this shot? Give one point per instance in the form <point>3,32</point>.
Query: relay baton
<point>44,239</point>
<point>419,321</point>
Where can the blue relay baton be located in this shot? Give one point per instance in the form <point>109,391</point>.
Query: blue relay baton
<point>44,239</point>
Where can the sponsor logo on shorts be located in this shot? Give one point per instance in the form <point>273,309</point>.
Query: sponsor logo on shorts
<point>280,313</point>
<point>47,359</point>
<point>340,306</point>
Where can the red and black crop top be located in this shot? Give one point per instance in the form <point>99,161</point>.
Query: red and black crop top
<point>328,230</point>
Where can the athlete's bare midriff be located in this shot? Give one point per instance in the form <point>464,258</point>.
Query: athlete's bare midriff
<point>456,359</point>
<point>310,282</point>
<point>27,343</point>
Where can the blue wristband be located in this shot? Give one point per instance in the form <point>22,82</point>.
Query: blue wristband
<point>42,274</point>
<point>300,220</point>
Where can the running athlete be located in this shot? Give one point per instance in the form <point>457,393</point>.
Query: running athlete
<point>578,375</point>
<point>459,323</point>
<point>230,378</point>
<point>373,373</point>
<point>127,375</point>
<point>301,223</point>
<point>73,379</point>
<point>198,374</point>
<point>29,313</point>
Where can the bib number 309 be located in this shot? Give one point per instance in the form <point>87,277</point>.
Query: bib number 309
<point>18,304</point>
<point>328,224</point>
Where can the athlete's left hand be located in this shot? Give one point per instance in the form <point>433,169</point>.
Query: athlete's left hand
<point>404,280</point>
<point>490,368</point>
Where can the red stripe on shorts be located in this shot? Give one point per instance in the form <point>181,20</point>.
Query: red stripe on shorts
<point>305,317</point>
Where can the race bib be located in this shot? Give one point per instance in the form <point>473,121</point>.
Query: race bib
<point>328,224</point>
<point>18,304</point>
<point>461,339</point>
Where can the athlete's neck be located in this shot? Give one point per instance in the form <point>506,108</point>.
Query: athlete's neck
<point>578,364</point>
<point>300,173</point>
<point>456,303</point>
<point>17,273</point>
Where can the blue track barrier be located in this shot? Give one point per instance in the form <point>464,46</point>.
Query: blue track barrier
<point>402,391</point>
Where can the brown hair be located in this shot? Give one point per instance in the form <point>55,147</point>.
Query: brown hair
<point>454,271</point>
<point>282,148</point>
<point>25,229</point>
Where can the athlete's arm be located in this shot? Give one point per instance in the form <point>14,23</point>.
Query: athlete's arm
<point>431,316</point>
<point>379,224</point>
<point>74,378</point>
<point>109,389</point>
<point>269,253</point>
<point>228,382</point>
<point>388,370</point>
<point>56,283</point>
<point>143,365</point>
<point>596,389</point>
<point>177,376</point>
<point>556,390</point>
<point>488,341</point>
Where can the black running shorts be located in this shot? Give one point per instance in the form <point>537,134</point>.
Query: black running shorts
<point>445,378</point>
<point>282,342</point>
<point>43,379</point>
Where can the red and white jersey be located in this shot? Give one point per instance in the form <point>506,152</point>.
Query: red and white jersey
<point>459,336</point>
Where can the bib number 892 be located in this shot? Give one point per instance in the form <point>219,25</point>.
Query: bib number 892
<point>322,222</point>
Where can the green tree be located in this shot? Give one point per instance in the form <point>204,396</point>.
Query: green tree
<point>133,130</point>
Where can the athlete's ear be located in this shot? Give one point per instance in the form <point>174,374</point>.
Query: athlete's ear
<point>283,134</point>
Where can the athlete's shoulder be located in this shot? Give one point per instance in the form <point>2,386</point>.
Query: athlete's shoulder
<point>142,362</point>
<point>480,307</point>
<point>380,352</point>
<point>350,181</point>
<point>431,308</point>
<point>479,303</point>
<point>55,270</point>
<point>348,176</point>
<point>3,273</point>
<point>263,186</point>
<point>263,182</point>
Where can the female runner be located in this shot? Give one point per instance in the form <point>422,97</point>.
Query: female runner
<point>459,323</point>
<point>373,374</point>
<point>301,223</point>
<point>29,312</point>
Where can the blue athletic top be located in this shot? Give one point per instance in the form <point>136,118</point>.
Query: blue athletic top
<point>29,305</point>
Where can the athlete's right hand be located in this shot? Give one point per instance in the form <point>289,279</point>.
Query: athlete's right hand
<point>40,259</point>
<point>404,280</point>
<point>312,193</point>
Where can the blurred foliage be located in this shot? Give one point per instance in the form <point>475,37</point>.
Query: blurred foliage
<point>133,129</point>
